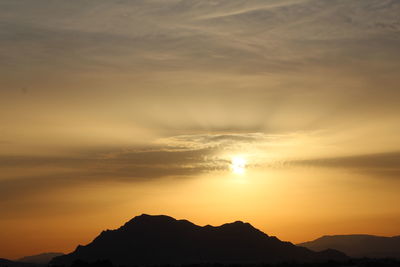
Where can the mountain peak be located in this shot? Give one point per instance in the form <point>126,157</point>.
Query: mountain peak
<point>239,223</point>
<point>153,221</point>
<point>148,217</point>
<point>145,216</point>
<point>240,226</point>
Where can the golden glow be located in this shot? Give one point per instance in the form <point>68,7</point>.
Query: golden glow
<point>238,165</point>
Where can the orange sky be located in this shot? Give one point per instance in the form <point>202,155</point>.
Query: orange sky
<point>110,109</point>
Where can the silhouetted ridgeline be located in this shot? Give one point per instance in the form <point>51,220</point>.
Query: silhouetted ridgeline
<point>42,258</point>
<point>158,240</point>
<point>359,245</point>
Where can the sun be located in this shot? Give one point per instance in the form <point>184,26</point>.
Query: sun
<point>238,165</point>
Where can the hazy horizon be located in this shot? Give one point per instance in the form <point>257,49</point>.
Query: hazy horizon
<point>280,113</point>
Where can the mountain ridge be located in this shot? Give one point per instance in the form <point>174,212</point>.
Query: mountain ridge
<point>42,258</point>
<point>160,239</point>
<point>358,245</point>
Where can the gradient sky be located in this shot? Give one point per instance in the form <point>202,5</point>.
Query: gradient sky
<point>113,108</point>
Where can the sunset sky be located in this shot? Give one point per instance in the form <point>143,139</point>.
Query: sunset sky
<point>281,113</point>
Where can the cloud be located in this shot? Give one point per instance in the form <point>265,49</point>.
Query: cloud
<point>254,67</point>
<point>178,156</point>
<point>237,36</point>
<point>382,165</point>
<point>213,140</point>
<point>35,175</point>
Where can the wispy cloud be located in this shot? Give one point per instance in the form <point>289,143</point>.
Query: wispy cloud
<point>381,165</point>
<point>182,156</point>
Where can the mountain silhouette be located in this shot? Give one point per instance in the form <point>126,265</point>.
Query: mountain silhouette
<point>42,258</point>
<point>150,240</point>
<point>358,245</point>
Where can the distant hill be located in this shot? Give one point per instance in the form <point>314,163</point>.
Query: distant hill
<point>42,258</point>
<point>149,240</point>
<point>358,245</point>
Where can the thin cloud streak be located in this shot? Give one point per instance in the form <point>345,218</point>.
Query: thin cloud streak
<point>381,165</point>
<point>181,156</point>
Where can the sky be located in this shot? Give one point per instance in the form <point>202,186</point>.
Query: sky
<point>114,108</point>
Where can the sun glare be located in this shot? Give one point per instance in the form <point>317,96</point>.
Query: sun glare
<point>238,165</point>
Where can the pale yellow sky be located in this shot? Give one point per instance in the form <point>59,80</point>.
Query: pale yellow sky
<point>110,109</point>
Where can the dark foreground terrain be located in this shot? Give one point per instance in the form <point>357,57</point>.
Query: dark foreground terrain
<point>365,262</point>
<point>349,263</point>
